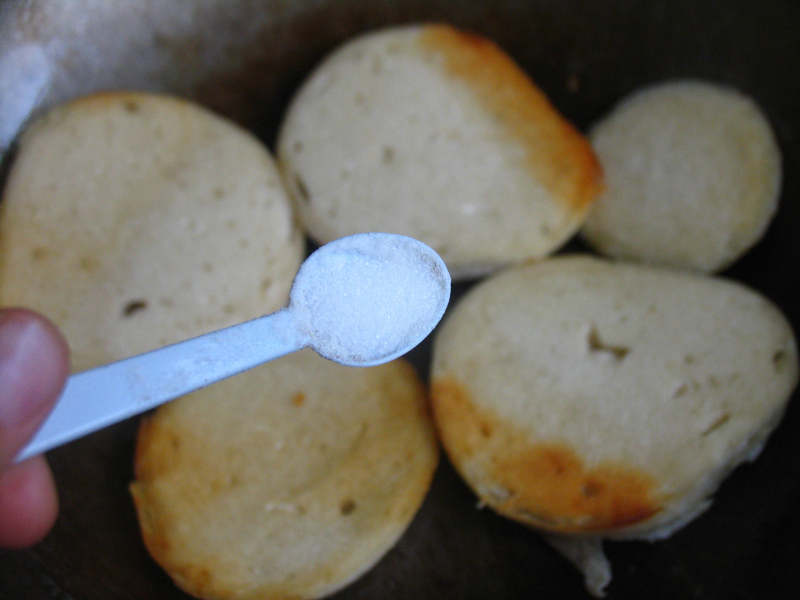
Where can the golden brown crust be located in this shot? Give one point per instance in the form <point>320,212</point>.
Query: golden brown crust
<point>287,485</point>
<point>557,154</point>
<point>469,156</point>
<point>609,398</point>
<point>543,484</point>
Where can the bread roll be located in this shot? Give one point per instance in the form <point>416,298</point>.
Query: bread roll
<point>431,132</point>
<point>134,221</point>
<point>693,175</point>
<point>600,400</point>
<point>288,481</point>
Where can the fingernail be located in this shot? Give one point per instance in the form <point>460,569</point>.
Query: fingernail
<point>27,364</point>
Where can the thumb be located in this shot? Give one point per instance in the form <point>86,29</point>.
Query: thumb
<point>33,367</point>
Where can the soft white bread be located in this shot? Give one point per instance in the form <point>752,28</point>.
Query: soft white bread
<point>431,132</point>
<point>288,481</point>
<point>693,174</point>
<point>595,399</point>
<point>134,220</point>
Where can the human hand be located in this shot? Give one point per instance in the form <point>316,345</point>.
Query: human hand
<point>34,363</point>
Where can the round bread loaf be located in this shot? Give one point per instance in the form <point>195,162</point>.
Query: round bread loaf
<point>693,175</point>
<point>437,134</point>
<point>595,399</point>
<point>288,481</point>
<point>134,221</point>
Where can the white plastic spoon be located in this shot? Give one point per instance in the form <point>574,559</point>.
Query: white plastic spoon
<point>361,300</point>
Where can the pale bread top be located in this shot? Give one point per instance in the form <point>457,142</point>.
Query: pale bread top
<point>586,397</point>
<point>693,176</point>
<point>288,481</point>
<point>437,134</point>
<point>135,220</point>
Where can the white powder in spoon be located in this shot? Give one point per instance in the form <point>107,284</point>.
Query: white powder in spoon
<point>369,297</point>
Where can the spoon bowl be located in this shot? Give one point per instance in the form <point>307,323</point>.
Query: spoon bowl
<point>356,311</point>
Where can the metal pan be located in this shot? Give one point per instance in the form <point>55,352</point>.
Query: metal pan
<point>244,58</point>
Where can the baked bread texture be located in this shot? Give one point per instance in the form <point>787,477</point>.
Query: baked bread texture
<point>288,481</point>
<point>431,132</point>
<point>693,176</point>
<point>596,400</point>
<point>135,220</point>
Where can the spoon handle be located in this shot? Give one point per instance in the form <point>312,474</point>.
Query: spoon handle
<point>104,395</point>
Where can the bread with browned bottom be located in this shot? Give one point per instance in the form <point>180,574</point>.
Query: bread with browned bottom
<point>288,481</point>
<point>592,400</point>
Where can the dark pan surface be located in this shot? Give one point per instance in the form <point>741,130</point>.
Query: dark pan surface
<point>586,56</point>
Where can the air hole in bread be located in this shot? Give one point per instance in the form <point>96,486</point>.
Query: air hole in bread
<point>88,263</point>
<point>680,390</point>
<point>39,253</point>
<point>131,106</point>
<point>347,506</point>
<point>133,307</point>
<point>597,345</point>
<point>591,489</point>
<point>302,189</point>
<point>779,359</point>
<point>718,422</point>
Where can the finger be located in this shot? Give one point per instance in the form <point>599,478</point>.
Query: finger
<point>28,503</point>
<point>33,367</point>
